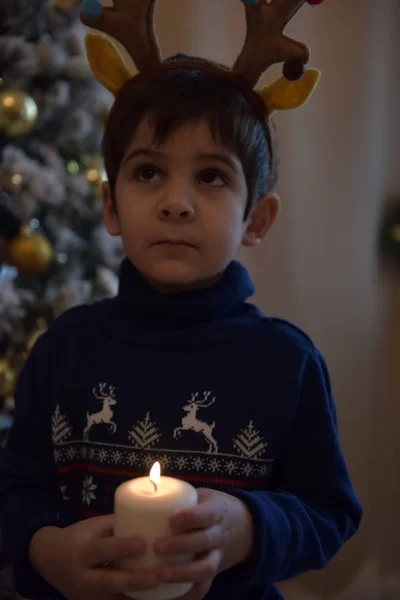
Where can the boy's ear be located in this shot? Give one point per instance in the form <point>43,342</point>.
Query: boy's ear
<point>261,219</point>
<point>109,213</point>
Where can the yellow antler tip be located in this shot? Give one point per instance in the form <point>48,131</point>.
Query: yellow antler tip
<point>107,62</point>
<point>286,95</point>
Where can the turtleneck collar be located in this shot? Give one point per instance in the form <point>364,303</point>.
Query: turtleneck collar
<point>139,300</point>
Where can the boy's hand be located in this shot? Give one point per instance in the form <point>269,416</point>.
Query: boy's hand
<point>219,531</point>
<point>72,560</point>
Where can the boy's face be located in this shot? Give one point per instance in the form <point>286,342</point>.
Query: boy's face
<point>180,207</point>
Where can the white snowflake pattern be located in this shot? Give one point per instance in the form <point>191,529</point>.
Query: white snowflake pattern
<point>247,469</point>
<point>116,456</point>
<point>198,463</point>
<point>148,461</point>
<point>103,455</point>
<point>214,465</point>
<point>263,470</point>
<point>88,490</point>
<point>63,492</point>
<point>92,453</point>
<point>231,467</point>
<point>57,455</point>
<point>83,451</point>
<point>181,462</point>
<point>71,453</point>
<point>165,461</point>
<point>132,459</point>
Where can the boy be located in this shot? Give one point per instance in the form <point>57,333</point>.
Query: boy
<point>178,367</point>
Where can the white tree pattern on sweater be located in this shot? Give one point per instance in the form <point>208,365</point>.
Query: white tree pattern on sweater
<point>61,429</point>
<point>249,443</point>
<point>145,434</point>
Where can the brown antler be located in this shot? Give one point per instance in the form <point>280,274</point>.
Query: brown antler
<point>131,22</point>
<point>265,43</point>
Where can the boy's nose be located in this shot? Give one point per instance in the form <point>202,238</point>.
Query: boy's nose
<point>176,209</point>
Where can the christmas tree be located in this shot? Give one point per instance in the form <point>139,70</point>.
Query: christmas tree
<point>54,250</point>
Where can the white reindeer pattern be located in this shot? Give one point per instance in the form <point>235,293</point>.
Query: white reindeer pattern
<point>190,422</point>
<point>106,414</point>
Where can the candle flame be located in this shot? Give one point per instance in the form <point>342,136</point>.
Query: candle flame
<point>155,474</point>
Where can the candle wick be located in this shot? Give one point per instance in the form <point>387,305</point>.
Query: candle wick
<point>155,485</point>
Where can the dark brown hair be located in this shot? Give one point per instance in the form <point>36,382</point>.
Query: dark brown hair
<point>170,98</point>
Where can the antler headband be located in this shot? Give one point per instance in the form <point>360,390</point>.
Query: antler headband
<point>131,22</point>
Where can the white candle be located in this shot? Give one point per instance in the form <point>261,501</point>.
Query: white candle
<point>143,508</point>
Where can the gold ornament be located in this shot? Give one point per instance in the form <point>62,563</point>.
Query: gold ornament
<point>41,327</point>
<point>8,378</point>
<point>94,172</point>
<point>18,113</point>
<point>30,252</point>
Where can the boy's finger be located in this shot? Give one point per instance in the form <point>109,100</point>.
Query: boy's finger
<point>121,582</point>
<point>102,526</point>
<point>115,548</point>
<point>199,571</point>
<point>195,542</point>
<point>202,516</point>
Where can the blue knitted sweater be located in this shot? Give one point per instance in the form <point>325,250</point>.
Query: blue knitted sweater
<point>223,396</point>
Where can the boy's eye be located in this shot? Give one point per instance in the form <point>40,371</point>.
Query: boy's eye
<point>214,178</point>
<point>146,173</point>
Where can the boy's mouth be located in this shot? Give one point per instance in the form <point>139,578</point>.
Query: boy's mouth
<point>175,244</point>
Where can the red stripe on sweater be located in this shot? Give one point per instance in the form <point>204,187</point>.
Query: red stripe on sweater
<point>239,483</point>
